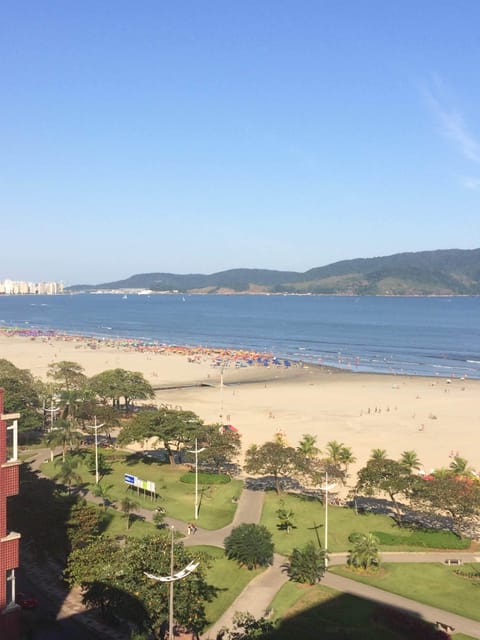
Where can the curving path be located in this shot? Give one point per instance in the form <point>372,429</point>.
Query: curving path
<point>259,593</point>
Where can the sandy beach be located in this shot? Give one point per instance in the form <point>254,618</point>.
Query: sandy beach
<point>436,417</point>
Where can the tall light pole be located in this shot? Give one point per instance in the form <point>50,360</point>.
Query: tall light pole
<point>221,394</point>
<point>52,411</point>
<point>96,427</point>
<point>196,452</point>
<point>173,577</point>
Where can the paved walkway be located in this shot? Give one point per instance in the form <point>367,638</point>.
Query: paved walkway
<point>259,593</point>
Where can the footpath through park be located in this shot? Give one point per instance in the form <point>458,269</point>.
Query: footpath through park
<point>259,593</point>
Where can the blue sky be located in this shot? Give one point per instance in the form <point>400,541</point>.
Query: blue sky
<point>197,136</point>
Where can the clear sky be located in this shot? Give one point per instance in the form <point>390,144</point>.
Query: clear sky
<point>196,136</point>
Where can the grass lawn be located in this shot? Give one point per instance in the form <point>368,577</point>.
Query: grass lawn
<point>228,577</point>
<point>310,513</point>
<point>115,524</point>
<point>304,610</point>
<point>177,498</point>
<point>433,584</point>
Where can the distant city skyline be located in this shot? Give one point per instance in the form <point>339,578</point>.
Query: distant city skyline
<point>201,137</point>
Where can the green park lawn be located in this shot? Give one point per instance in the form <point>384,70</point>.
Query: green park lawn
<point>229,578</point>
<point>304,610</point>
<point>177,498</point>
<point>309,520</point>
<point>433,584</point>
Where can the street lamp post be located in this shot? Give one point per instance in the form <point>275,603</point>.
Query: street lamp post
<point>173,577</point>
<point>221,394</point>
<point>52,411</point>
<point>196,452</point>
<point>96,427</point>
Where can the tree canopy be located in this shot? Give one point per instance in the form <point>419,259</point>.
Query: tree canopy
<point>115,384</point>
<point>459,496</point>
<point>383,475</point>
<point>172,428</point>
<point>222,446</point>
<point>112,577</point>
<point>272,458</point>
<point>67,375</point>
<point>21,394</point>
<point>251,545</point>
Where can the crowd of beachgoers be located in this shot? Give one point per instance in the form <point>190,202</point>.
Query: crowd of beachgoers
<point>218,357</point>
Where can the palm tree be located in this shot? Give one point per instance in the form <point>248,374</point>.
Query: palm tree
<point>103,492</point>
<point>364,553</point>
<point>334,451</point>
<point>339,456</point>
<point>378,454</point>
<point>67,473</point>
<point>127,505</point>
<point>306,564</point>
<point>346,457</point>
<point>64,435</point>
<point>308,446</point>
<point>285,516</point>
<point>410,460</point>
<point>459,466</point>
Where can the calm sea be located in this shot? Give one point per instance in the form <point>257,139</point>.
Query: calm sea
<point>422,336</point>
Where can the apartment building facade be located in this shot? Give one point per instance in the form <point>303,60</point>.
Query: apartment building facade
<point>22,287</point>
<point>9,540</point>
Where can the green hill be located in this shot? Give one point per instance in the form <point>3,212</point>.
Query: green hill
<point>443,272</point>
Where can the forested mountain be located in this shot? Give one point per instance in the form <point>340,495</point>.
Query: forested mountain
<point>443,272</point>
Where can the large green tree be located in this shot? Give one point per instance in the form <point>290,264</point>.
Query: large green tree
<point>115,384</point>
<point>274,459</point>
<point>83,526</point>
<point>67,375</point>
<point>113,578</point>
<point>458,496</point>
<point>221,447</point>
<point>385,476</point>
<point>22,395</point>
<point>251,545</point>
<point>173,429</point>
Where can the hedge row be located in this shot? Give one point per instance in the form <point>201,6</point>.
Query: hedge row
<point>424,538</point>
<point>205,478</point>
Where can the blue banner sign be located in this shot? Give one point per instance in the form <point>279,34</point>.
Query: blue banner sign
<point>129,479</point>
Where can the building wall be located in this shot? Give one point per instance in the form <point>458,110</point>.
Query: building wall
<point>9,541</point>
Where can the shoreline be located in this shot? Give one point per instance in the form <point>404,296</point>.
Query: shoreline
<point>220,357</point>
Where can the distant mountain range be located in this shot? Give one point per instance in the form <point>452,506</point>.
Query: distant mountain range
<point>443,272</point>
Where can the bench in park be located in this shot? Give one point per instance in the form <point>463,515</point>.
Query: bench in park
<point>454,561</point>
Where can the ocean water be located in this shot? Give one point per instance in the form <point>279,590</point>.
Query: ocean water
<point>418,336</point>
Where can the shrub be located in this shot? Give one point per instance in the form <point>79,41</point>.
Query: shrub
<point>307,564</point>
<point>251,545</point>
